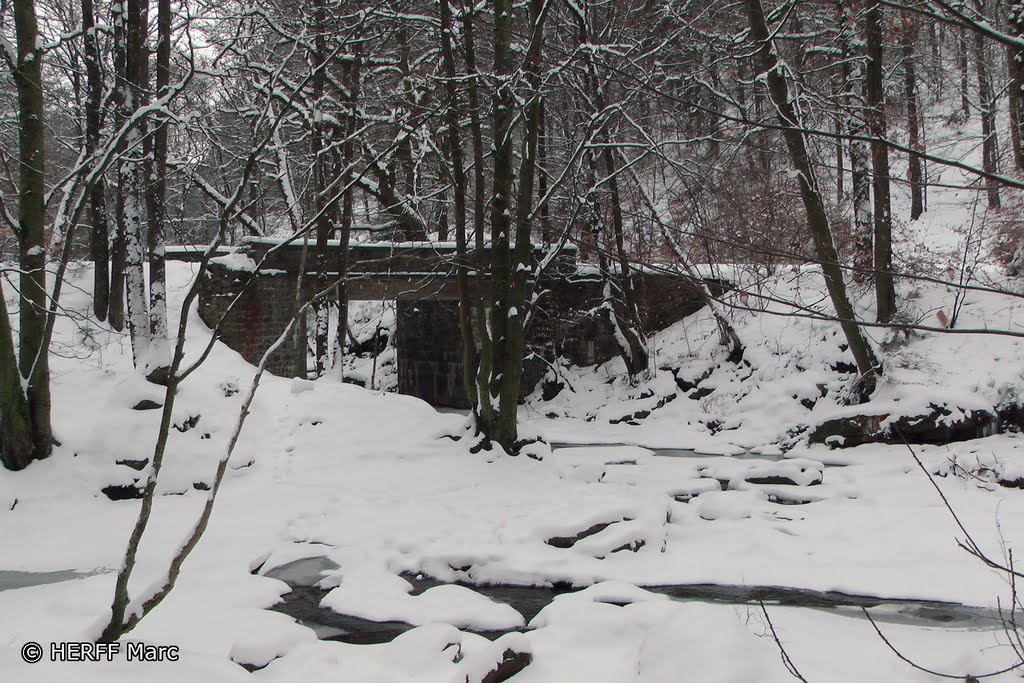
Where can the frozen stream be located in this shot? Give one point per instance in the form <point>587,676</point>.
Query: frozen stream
<point>667,452</point>
<point>303,604</point>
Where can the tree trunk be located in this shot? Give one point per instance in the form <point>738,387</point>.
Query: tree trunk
<point>885,291</point>
<point>854,75</point>
<point>99,245</point>
<point>626,313</point>
<point>817,218</point>
<point>470,352</point>
<point>935,65</point>
<point>961,54</point>
<point>915,174</point>
<point>1015,69</point>
<point>156,205</point>
<point>354,74</point>
<point>542,179</point>
<point>33,353</point>
<point>134,83</point>
<point>522,252</point>
<point>17,449</point>
<point>115,312</point>
<point>483,362</point>
<point>840,170</point>
<point>323,206</point>
<point>619,297</point>
<point>403,150</point>
<point>987,106</point>
<point>502,426</point>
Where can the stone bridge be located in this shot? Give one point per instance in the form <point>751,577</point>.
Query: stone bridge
<point>420,276</point>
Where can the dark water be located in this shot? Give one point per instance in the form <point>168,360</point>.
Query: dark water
<point>11,580</point>
<point>303,604</point>
<point>666,452</point>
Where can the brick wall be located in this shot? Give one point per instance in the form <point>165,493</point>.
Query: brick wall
<point>257,320</point>
<point>428,343</point>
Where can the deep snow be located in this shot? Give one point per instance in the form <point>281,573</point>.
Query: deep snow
<point>366,479</point>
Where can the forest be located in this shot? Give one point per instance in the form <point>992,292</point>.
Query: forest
<point>829,438</point>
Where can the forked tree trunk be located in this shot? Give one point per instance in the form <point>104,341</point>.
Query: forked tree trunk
<point>510,260</point>
<point>522,252</point>
<point>810,193</point>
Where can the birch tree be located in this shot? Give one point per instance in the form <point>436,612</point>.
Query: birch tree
<point>133,82</point>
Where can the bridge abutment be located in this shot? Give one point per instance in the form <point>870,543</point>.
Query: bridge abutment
<point>262,313</point>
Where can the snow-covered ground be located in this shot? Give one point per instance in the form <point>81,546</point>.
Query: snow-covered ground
<point>368,480</point>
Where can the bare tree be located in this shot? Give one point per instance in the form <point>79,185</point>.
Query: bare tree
<point>817,218</point>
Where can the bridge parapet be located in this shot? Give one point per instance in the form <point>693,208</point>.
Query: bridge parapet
<point>414,258</point>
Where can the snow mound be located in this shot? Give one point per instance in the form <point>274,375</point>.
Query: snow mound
<point>382,596</point>
<point>728,505</point>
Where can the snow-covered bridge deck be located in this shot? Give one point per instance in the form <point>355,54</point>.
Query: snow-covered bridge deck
<point>377,271</point>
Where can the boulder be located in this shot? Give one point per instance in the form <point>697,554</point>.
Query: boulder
<point>123,491</point>
<point>511,663</point>
<point>569,541</point>
<point>941,425</point>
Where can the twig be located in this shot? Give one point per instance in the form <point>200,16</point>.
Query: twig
<point>926,670</point>
<point>970,545</point>
<point>786,659</point>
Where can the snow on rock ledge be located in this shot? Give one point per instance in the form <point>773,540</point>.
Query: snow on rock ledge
<point>236,261</point>
<point>942,424</point>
